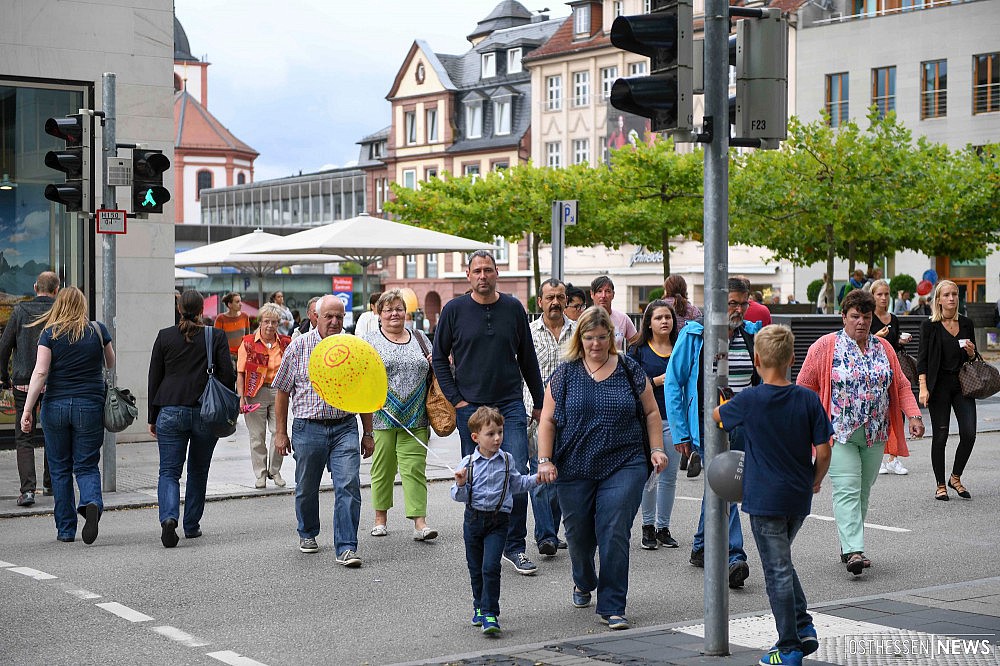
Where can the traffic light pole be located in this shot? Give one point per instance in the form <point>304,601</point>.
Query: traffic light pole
<point>109,480</point>
<point>716,238</point>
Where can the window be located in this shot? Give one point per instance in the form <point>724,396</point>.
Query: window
<point>581,151</point>
<point>884,89</point>
<point>553,93</point>
<point>602,141</point>
<point>581,20</point>
<point>608,76</point>
<point>501,116</point>
<point>473,119</point>
<point>204,181</point>
<point>432,125</point>
<point>471,170</point>
<point>617,8</point>
<point>411,265</point>
<point>410,179</point>
<point>934,89</point>
<point>410,124</point>
<point>241,178</point>
<point>431,266</point>
<point>430,173</point>
<point>553,154</point>
<point>378,196</point>
<point>581,88</point>
<point>489,68</point>
<point>647,6</point>
<point>499,166</point>
<point>986,83</point>
<point>637,68</point>
<point>514,61</point>
<point>500,249</point>
<point>836,98</point>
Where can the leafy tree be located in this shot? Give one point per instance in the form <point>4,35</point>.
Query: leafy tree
<point>902,282</point>
<point>812,291</point>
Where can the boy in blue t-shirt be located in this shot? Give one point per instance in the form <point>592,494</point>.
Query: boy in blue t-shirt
<point>783,424</point>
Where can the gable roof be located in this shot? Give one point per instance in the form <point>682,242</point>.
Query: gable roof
<point>562,43</point>
<point>507,14</point>
<point>197,129</point>
<point>435,61</point>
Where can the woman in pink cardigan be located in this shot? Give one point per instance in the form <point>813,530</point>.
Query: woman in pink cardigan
<point>862,387</point>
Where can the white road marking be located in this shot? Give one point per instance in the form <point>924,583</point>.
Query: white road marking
<point>233,658</point>
<point>79,593</point>
<point>829,519</point>
<point>182,637</point>
<point>6,565</point>
<point>124,612</point>
<point>33,573</point>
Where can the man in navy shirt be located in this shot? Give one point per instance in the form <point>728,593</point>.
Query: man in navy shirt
<point>486,333</point>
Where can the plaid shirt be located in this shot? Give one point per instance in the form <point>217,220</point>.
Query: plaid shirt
<point>549,352</point>
<point>293,379</point>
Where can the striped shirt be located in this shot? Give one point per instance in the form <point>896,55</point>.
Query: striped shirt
<point>234,328</point>
<point>293,378</point>
<point>740,363</point>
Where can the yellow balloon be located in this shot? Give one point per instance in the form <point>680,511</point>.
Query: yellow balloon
<point>348,374</point>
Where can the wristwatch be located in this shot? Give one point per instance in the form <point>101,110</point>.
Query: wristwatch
<point>546,459</point>
<point>368,434</point>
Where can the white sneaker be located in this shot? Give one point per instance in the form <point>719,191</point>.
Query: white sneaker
<point>896,467</point>
<point>883,469</point>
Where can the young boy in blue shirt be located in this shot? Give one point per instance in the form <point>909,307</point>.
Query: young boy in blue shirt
<point>486,482</point>
<point>782,424</point>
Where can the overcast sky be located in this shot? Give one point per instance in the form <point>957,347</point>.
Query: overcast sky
<point>302,80</point>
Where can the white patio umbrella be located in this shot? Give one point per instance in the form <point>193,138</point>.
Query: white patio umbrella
<point>365,239</point>
<point>185,274</point>
<point>240,253</point>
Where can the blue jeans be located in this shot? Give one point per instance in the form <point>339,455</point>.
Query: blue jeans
<point>774,536</point>
<point>515,442</point>
<point>337,448</point>
<point>545,507</point>
<point>180,435</point>
<point>598,515</point>
<point>485,534</point>
<point>736,552</point>
<point>658,501</point>
<point>74,433</point>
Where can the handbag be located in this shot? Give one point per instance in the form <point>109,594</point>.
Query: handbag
<point>220,406</point>
<point>909,366</point>
<point>440,412</point>
<point>978,378</point>
<point>119,403</point>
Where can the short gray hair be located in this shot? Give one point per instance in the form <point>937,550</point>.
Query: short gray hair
<point>272,309</point>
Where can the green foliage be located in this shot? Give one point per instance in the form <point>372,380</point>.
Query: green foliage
<point>655,294</point>
<point>902,282</point>
<point>812,291</point>
<point>350,268</point>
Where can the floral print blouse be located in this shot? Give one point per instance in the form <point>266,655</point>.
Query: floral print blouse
<point>860,396</point>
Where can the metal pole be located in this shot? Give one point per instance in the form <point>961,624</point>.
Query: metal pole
<point>558,241</point>
<point>109,480</point>
<point>716,347</point>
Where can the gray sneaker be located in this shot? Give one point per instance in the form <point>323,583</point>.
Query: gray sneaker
<point>27,498</point>
<point>308,545</point>
<point>349,559</point>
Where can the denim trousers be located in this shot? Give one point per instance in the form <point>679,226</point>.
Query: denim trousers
<point>948,396</point>
<point>736,552</point>
<point>658,501</point>
<point>544,507</point>
<point>180,435</point>
<point>485,534</point>
<point>515,442</point>
<point>774,536</point>
<point>598,515</point>
<point>853,471</point>
<point>337,448</point>
<point>24,442</point>
<point>74,433</point>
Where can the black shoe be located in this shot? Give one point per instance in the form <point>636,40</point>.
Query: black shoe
<point>93,515</point>
<point>193,535</point>
<point>66,539</point>
<point>684,463</point>
<point>548,548</point>
<point>27,498</point>
<point>649,538</point>
<point>738,572</point>
<point>169,535</point>
<point>698,558</point>
<point>694,465</point>
<point>663,536</point>
<point>561,545</point>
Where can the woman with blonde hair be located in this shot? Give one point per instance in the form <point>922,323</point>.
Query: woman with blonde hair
<point>885,325</point>
<point>72,354</point>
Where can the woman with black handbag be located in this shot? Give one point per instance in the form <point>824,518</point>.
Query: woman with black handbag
<point>946,344</point>
<point>178,372</point>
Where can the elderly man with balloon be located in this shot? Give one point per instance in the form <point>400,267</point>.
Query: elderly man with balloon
<point>328,380</point>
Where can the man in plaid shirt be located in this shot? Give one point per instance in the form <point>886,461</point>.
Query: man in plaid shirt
<point>323,437</point>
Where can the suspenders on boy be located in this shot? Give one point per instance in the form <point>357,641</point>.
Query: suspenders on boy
<point>506,481</point>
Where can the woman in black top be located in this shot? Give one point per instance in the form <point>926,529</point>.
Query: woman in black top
<point>178,372</point>
<point>886,325</point>
<point>946,343</point>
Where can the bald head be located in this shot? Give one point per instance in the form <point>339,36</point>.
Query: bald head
<point>330,314</point>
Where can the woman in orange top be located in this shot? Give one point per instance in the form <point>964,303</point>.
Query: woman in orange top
<point>233,322</point>
<point>259,357</point>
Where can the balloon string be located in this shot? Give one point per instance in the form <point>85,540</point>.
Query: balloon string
<point>429,450</point>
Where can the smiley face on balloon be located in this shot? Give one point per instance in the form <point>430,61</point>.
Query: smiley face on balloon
<point>347,373</point>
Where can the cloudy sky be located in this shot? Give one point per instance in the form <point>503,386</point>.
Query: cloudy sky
<point>302,80</point>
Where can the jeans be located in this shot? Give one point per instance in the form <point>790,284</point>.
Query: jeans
<point>74,433</point>
<point>25,444</point>
<point>774,536</point>
<point>598,515</point>
<point>658,501</point>
<point>515,442</point>
<point>337,448</point>
<point>853,471</point>
<point>485,534</point>
<point>180,434</point>
<point>545,508</point>
<point>946,397</point>
<point>736,552</point>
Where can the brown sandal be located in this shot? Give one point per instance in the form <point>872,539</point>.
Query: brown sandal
<point>942,493</point>
<point>856,563</point>
<point>955,482</point>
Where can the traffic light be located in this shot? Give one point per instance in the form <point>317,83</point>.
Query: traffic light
<point>759,52</point>
<point>76,161</point>
<point>148,193</point>
<point>665,36</point>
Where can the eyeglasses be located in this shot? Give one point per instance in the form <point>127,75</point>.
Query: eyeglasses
<point>742,305</point>
<point>575,306</point>
<point>595,338</point>
<point>401,311</point>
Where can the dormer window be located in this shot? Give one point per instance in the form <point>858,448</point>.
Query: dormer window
<point>489,67</point>
<point>581,21</point>
<point>514,61</point>
<point>473,119</point>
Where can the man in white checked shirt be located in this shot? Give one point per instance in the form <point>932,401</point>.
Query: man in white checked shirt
<point>323,437</point>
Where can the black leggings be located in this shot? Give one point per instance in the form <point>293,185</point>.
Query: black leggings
<point>947,396</point>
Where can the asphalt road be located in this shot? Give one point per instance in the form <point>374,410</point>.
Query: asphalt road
<point>244,591</point>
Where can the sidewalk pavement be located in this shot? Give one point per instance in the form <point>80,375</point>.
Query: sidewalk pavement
<point>947,625</point>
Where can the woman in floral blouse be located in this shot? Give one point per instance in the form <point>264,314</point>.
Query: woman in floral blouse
<point>862,387</point>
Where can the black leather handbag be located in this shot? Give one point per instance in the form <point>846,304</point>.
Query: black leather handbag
<point>220,407</point>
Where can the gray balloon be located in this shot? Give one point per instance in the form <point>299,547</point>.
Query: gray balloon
<point>725,475</point>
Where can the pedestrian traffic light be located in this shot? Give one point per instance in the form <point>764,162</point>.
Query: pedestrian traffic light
<point>148,193</point>
<point>759,52</point>
<point>76,161</point>
<point>665,36</point>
